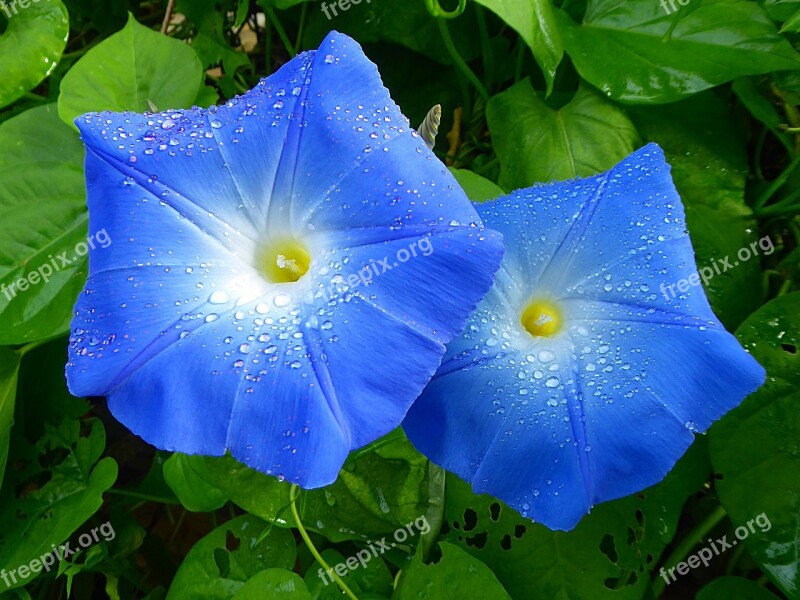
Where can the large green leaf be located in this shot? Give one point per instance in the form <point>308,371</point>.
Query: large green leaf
<point>194,492</point>
<point>635,52</point>
<point>42,218</point>
<point>131,70</point>
<point>31,45</point>
<point>446,579</point>
<point>9,370</point>
<point>708,156</point>
<point>217,566</point>
<point>373,496</point>
<point>33,521</point>
<point>536,22</point>
<point>756,448</point>
<point>607,556</point>
<point>537,144</point>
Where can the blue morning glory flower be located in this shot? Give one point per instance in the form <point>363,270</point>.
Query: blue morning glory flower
<point>284,269</point>
<point>577,380</point>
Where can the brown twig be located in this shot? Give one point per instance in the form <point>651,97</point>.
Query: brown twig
<point>167,16</point>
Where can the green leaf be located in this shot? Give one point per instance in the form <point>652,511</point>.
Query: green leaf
<point>31,45</point>
<point>709,166</point>
<point>373,496</point>
<point>130,70</point>
<point>734,587</point>
<point>274,584</point>
<point>780,10</point>
<point>606,557</point>
<point>9,370</point>
<point>42,216</point>
<point>477,188</point>
<point>635,52</point>
<point>446,579</point>
<point>792,24</point>
<point>194,492</point>
<point>536,22</point>
<point>756,448</point>
<point>218,566</point>
<point>31,523</point>
<point>537,144</point>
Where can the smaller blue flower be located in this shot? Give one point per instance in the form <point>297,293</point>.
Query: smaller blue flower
<point>284,273</point>
<point>577,380</point>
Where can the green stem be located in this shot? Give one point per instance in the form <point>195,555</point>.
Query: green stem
<point>693,538</point>
<point>486,47</point>
<point>785,288</point>
<point>778,211</point>
<point>301,26</point>
<point>459,62</point>
<point>295,491</point>
<point>435,9</point>
<point>273,18</point>
<point>268,48</point>
<point>779,181</point>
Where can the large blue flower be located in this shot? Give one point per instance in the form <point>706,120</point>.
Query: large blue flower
<point>577,380</point>
<point>284,270</point>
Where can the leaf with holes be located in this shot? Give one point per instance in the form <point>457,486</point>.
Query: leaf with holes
<point>219,564</point>
<point>607,556</point>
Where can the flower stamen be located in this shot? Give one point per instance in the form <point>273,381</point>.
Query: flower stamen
<point>542,318</point>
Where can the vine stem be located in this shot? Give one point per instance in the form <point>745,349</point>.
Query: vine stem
<point>459,62</point>
<point>287,44</point>
<point>777,183</point>
<point>293,494</point>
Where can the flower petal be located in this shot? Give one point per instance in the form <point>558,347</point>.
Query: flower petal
<point>606,406</point>
<point>196,350</point>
